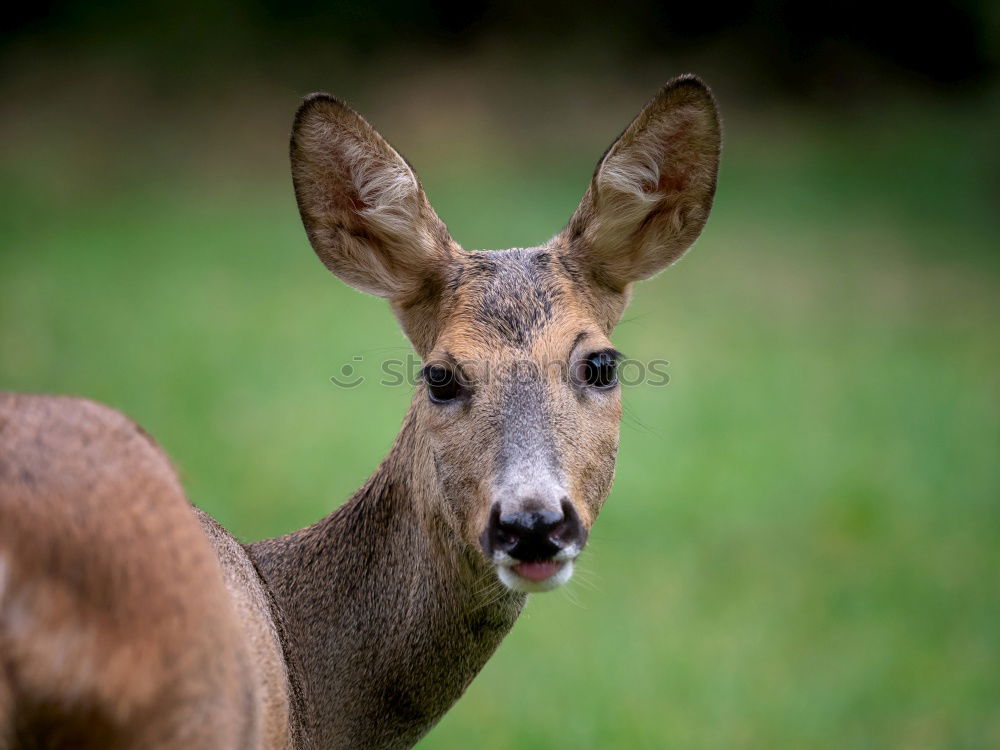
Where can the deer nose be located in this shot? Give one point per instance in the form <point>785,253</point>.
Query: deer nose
<point>531,536</point>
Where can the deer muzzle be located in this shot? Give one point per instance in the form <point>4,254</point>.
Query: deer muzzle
<point>534,550</point>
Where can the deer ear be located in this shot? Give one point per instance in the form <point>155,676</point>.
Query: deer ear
<point>652,190</point>
<point>366,214</point>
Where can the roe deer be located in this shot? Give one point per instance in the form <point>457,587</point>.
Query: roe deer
<point>130,620</point>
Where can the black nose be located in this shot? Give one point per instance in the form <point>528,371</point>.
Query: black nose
<point>533,536</point>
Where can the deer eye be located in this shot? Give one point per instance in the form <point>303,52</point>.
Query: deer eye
<point>442,384</point>
<point>598,370</point>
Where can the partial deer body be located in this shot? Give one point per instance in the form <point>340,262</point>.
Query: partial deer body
<point>128,619</point>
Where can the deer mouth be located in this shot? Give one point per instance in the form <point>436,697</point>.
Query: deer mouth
<point>538,571</point>
<point>536,575</point>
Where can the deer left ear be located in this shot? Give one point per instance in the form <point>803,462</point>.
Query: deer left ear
<point>652,191</point>
<point>367,216</point>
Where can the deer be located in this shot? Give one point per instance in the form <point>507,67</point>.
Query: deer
<point>131,619</point>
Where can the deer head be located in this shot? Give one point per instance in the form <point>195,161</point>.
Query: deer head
<point>519,398</point>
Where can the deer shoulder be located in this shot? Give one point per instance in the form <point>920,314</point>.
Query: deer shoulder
<point>119,627</point>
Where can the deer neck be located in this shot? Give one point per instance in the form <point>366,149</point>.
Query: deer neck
<point>387,615</point>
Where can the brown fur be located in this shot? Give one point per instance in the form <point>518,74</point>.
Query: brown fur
<point>129,619</point>
<point>110,594</point>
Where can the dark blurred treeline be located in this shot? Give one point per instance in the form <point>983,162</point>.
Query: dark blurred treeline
<point>794,47</point>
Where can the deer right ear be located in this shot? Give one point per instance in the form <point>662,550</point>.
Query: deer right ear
<point>651,192</point>
<point>366,214</point>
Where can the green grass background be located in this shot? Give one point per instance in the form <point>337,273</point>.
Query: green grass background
<point>802,547</point>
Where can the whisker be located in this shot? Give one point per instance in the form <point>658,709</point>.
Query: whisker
<point>633,420</point>
<point>570,595</point>
<point>588,578</point>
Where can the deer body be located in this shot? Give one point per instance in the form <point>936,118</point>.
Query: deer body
<point>128,619</point>
<point>110,620</point>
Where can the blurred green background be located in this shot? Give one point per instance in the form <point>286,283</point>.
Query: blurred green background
<point>802,548</point>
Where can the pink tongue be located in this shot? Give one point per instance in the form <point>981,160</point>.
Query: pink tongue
<point>537,571</point>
